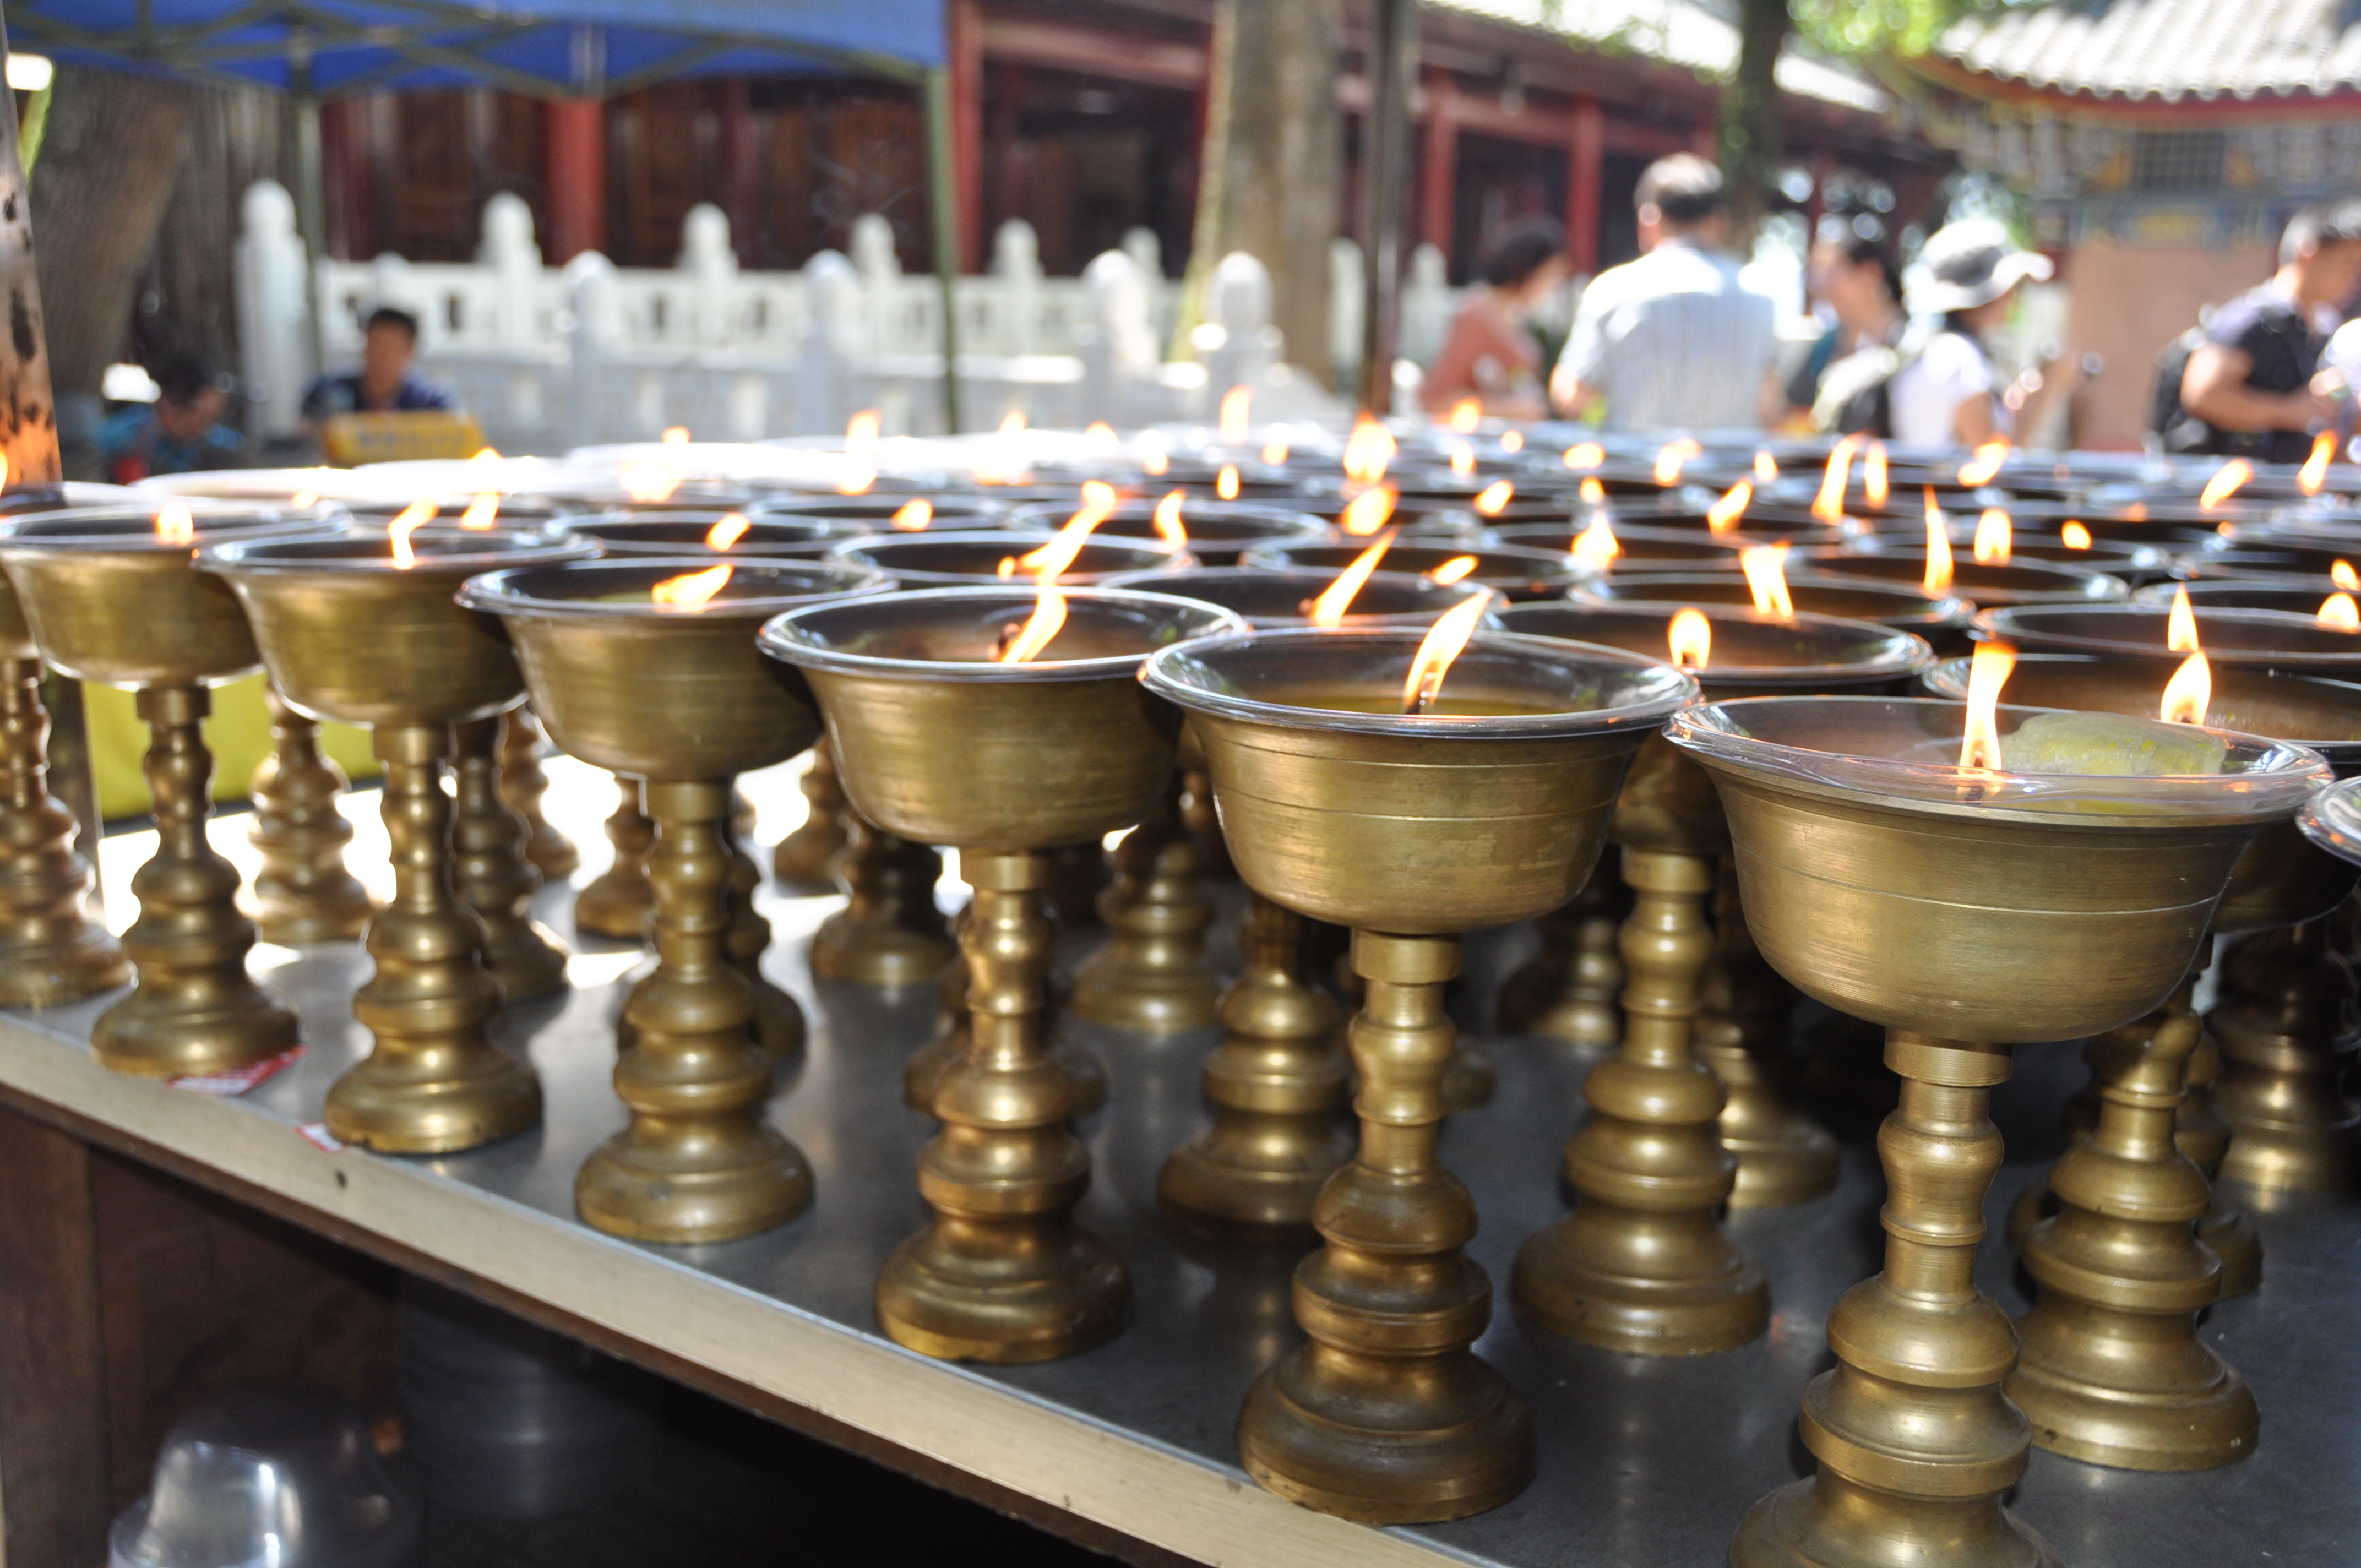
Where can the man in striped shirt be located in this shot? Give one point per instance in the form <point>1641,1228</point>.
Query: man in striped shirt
<point>1671,341</point>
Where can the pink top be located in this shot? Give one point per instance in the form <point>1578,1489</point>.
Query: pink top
<point>1489,357</point>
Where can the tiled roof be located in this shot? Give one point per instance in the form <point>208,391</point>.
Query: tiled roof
<point>1676,32</point>
<point>2166,50</point>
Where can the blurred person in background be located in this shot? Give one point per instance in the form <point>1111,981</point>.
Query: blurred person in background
<point>2250,381</point>
<point>1671,340</point>
<point>387,382</point>
<point>1945,390</point>
<point>180,432</point>
<point>1856,277</point>
<point>1491,354</point>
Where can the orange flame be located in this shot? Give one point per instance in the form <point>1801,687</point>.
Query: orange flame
<point>1225,483</point>
<point>1274,452</point>
<point>1690,637</point>
<point>2342,574</point>
<point>1765,566</point>
<point>2074,536</point>
<point>300,499</point>
<point>1766,467</point>
<point>728,530</point>
<point>2339,613</point>
<point>1013,422</point>
<point>2180,629</point>
<point>1451,571</point>
<point>1671,457</point>
<point>1938,579</point>
<point>1984,466</point>
<point>484,454</point>
<point>1046,563</point>
<point>482,512</point>
<point>676,436</point>
<point>1588,454</point>
<point>688,594</point>
<point>1039,629</point>
<point>1725,513</point>
<point>1443,643</point>
<point>1368,451</point>
<point>1494,497</point>
<point>1994,537</point>
<point>1828,505</point>
<point>1463,459</point>
<point>650,483</point>
<point>1466,414</point>
<point>2314,472</point>
<point>1155,462</point>
<point>407,521</point>
<point>1593,493</point>
<point>1595,546</point>
<point>174,525</point>
<point>1328,609</point>
<point>1987,672</point>
<point>1098,433</point>
<point>912,517</point>
<point>1168,521</point>
<point>2224,483</point>
<point>1367,512</point>
<point>1512,441</point>
<point>1237,411</point>
<point>2190,691</point>
<point>1873,475</point>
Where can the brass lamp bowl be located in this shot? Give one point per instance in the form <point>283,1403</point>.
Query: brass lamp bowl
<point>20,500</point>
<point>2279,880</point>
<point>2108,524</point>
<point>2265,555</point>
<point>875,512</point>
<point>2258,639</point>
<point>425,659</point>
<point>664,490</point>
<point>108,600</point>
<point>940,743</point>
<point>955,560</point>
<point>2239,593</point>
<point>2067,906</point>
<point>1942,619</point>
<point>1794,525</point>
<point>2332,819</point>
<point>504,510</point>
<point>2029,583</point>
<point>1642,547</point>
<point>1488,808</point>
<point>1514,570</point>
<point>1270,599</point>
<point>1219,531</point>
<point>2134,562</point>
<point>685,533</point>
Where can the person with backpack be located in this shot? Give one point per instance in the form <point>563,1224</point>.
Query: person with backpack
<point>2248,382</point>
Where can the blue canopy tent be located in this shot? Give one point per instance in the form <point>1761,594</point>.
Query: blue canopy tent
<point>315,49</point>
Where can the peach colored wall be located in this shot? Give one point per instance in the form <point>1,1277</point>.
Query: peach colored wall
<point>2128,303</point>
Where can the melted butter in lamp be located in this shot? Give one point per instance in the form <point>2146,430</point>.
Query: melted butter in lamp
<point>1449,704</point>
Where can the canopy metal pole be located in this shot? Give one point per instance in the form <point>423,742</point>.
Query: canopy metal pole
<point>1385,169</point>
<point>942,181</point>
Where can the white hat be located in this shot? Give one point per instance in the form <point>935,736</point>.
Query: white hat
<point>1970,263</point>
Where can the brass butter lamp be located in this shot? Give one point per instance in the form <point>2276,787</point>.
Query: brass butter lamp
<point>1690,1112</point>
<point>113,595</point>
<point>633,672</point>
<point>434,1082</point>
<point>1966,910</point>
<point>1517,571</point>
<point>2018,582</point>
<point>522,786</point>
<point>1509,771</point>
<point>1942,618</point>
<point>943,742</point>
<point>1216,533</point>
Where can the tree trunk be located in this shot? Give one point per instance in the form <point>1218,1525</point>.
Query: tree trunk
<point>28,426</point>
<point>1750,115</point>
<point>1286,161</point>
<point>109,159</point>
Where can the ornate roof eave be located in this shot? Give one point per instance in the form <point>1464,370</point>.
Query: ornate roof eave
<point>2153,111</point>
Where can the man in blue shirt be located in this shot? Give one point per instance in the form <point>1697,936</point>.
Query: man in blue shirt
<point>385,382</point>
<point>179,432</point>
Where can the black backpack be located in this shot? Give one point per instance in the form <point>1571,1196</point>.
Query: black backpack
<point>2180,430</point>
<point>2289,358</point>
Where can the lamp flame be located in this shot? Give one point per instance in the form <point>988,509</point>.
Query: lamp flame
<point>1493,497</point>
<point>1512,441</point>
<point>1443,644</point>
<point>1984,467</point>
<point>1725,513</point>
<point>1873,475</point>
<point>1039,629</point>
<point>2181,630</point>
<point>2314,472</point>
<point>482,512</point>
<point>407,521</point>
<point>1451,571</point>
<point>1225,483</point>
<point>651,484</point>
<point>1587,455</point>
<point>2190,691</point>
<point>677,435</point>
<point>1274,451</point>
<point>1168,521</point>
<point>1367,512</point>
<point>1013,422</point>
<point>1463,459</point>
<point>1595,546</point>
<point>1368,451</point>
<point>1046,563</point>
<point>2342,574</point>
<point>912,517</point>
<point>1766,467</point>
<point>728,530</point>
<point>1237,409</point>
<point>484,454</point>
<point>1328,610</point>
<point>1154,461</point>
<point>1466,415</point>
<point>2074,536</point>
<point>1828,505</point>
<point>1987,672</point>
<point>1593,493</point>
<point>2224,483</point>
<point>1994,537</point>
<point>1098,433</point>
<point>1690,637</point>
<point>688,593</point>
<point>1938,579</point>
<point>1672,456</point>
<point>1765,566</point>
<point>174,525</point>
<point>2339,613</point>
